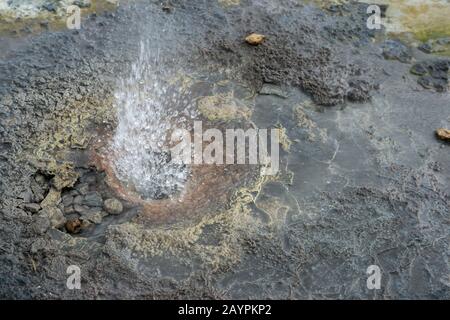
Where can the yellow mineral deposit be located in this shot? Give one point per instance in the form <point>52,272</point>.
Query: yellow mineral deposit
<point>222,107</point>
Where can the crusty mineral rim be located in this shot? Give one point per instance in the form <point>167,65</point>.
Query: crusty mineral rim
<point>208,189</point>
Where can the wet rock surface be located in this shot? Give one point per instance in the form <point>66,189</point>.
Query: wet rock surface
<point>365,183</point>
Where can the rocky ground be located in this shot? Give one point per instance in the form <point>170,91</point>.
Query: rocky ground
<point>364,176</point>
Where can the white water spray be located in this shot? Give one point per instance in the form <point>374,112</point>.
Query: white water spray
<point>149,107</point>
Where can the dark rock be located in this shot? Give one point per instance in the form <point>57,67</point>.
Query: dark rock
<point>433,74</point>
<point>69,210</point>
<point>167,7</point>
<point>52,199</point>
<point>93,215</point>
<point>358,90</point>
<point>80,208</point>
<point>82,3</point>
<point>51,7</point>
<point>41,224</point>
<point>38,245</point>
<point>83,188</point>
<point>38,192</point>
<point>67,200</point>
<point>55,215</point>
<point>88,178</point>
<point>270,89</point>
<point>395,50</point>
<point>78,200</point>
<point>27,196</point>
<point>436,45</point>
<point>426,81</point>
<point>73,193</point>
<point>32,207</point>
<point>419,69</point>
<point>93,199</point>
<point>56,234</point>
<point>426,47</point>
<point>40,179</point>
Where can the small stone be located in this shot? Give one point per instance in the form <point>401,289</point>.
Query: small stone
<point>73,193</point>
<point>443,134</point>
<point>93,199</point>
<point>419,69</point>
<point>80,208</point>
<point>32,207</point>
<point>49,7</point>
<point>56,234</point>
<point>57,219</point>
<point>83,188</point>
<point>40,179</point>
<point>52,199</point>
<point>255,39</point>
<point>270,89</point>
<point>27,196</point>
<point>113,206</point>
<point>69,210</point>
<point>104,214</point>
<point>38,245</point>
<point>436,45</point>
<point>73,226</point>
<point>94,216</point>
<point>85,224</point>
<point>64,175</point>
<point>89,178</point>
<point>395,50</point>
<point>37,196</point>
<point>426,47</point>
<point>433,74</point>
<point>41,224</point>
<point>38,190</point>
<point>426,81</point>
<point>67,200</point>
<point>78,200</point>
<point>167,8</point>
